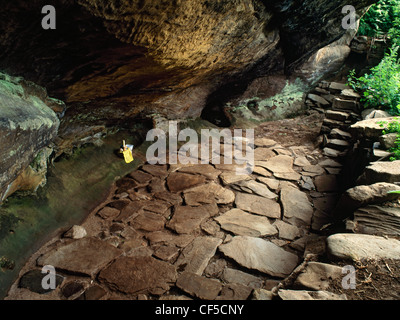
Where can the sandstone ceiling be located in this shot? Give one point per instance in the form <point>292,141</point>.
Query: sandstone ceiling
<point>117,59</point>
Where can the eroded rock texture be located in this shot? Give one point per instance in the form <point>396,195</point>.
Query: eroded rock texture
<point>27,126</point>
<point>118,62</point>
<point>116,59</point>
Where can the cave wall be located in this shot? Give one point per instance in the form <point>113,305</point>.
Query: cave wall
<point>116,62</point>
<point>113,59</point>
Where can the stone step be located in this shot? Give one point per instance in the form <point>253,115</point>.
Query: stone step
<point>342,104</point>
<point>350,94</point>
<point>337,144</point>
<point>318,99</point>
<point>339,134</point>
<point>335,124</point>
<point>337,87</point>
<point>337,115</point>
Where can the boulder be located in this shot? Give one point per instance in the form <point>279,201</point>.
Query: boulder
<point>364,195</point>
<point>27,126</point>
<point>76,232</point>
<point>261,255</point>
<point>372,113</point>
<point>388,141</point>
<point>362,246</point>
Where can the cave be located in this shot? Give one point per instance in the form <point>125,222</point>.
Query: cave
<point>107,72</point>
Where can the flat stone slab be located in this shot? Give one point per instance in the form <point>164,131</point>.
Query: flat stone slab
<point>139,274</point>
<point>316,98</point>
<point>297,209</point>
<point>179,181</point>
<point>258,254</point>
<point>257,188</point>
<point>278,164</point>
<point>199,287</point>
<point>160,171</point>
<point>208,193</point>
<point>245,224</point>
<point>383,171</point>
<point>378,220</point>
<point>369,128</point>
<point>230,275</point>
<point>286,230</point>
<point>317,275</point>
<point>108,213</point>
<point>186,219</point>
<point>264,142</point>
<point>258,205</point>
<point>195,257</point>
<point>263,154</point>
<point>32,280</point>
<point>362,246</point>
<point>309,295</point>
<point>229,177</point>
<point>148,221</point>
<point>206,170</point>
<point>85,256</point>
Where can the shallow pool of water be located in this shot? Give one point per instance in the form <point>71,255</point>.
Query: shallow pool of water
<point>75,187</point>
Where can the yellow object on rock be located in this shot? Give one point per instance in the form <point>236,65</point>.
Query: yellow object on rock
<point>128,155</point>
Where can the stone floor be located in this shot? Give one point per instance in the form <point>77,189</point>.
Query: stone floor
<point>196,231</point>
<point>172,232</point>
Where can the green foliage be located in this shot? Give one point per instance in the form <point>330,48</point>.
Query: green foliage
<point>380,19</point>
<point>392,127</point>
<point>381,87</point>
